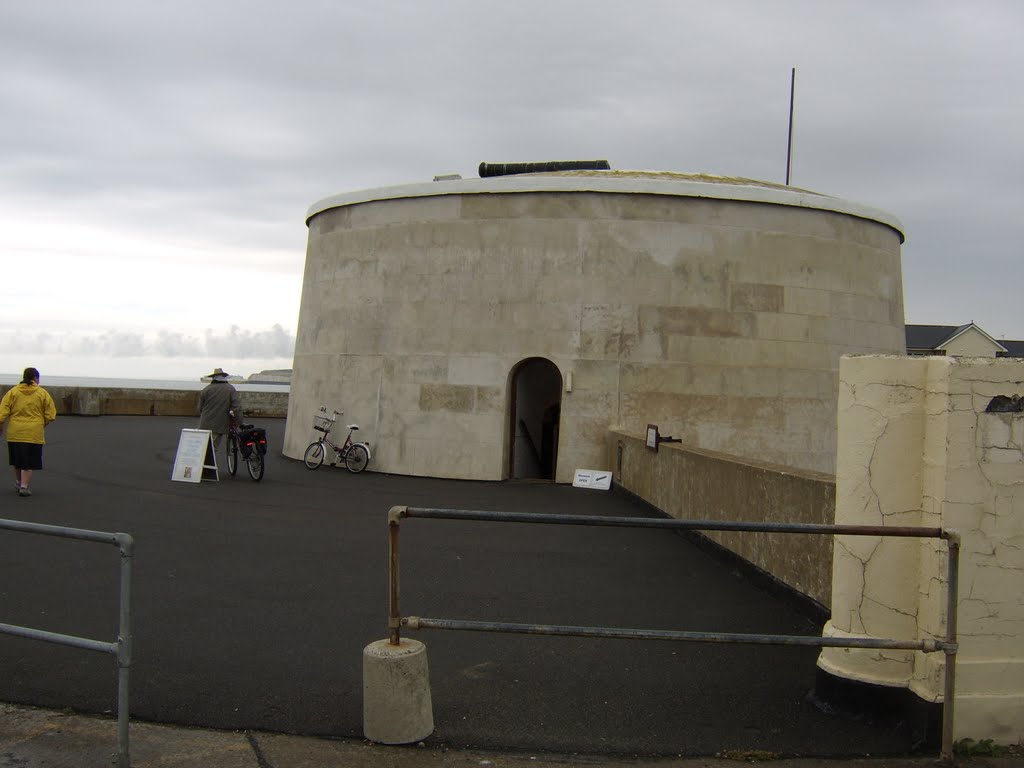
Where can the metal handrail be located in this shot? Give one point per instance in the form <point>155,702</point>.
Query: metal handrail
<point>949,645</point>
<point>121,648</point>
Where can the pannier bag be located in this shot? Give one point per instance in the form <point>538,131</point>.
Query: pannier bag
<point>253,437</point>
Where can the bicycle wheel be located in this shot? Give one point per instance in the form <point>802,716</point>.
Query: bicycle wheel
<point>357,458</point>
<point>254,463</point>
<point>232,449</point>
<point>314,455</point>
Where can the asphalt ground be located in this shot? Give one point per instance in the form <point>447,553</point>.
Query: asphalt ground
<point>252,603</point>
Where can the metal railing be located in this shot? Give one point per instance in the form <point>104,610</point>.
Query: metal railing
<point>948,645</point>
<point>121,648</point>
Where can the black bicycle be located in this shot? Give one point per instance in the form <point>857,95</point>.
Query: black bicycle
<point>251,443</point>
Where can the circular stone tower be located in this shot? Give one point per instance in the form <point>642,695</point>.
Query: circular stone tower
<point>498,327</point>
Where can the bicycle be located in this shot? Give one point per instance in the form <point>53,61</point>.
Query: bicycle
<point>252,443</point>
<point>354,455</point>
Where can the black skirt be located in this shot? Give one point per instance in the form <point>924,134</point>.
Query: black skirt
<point>25,455</point>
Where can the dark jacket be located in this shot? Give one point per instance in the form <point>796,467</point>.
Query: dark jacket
<point>215,401</point>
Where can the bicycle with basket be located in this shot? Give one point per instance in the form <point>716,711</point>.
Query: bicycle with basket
<point>354,455</point>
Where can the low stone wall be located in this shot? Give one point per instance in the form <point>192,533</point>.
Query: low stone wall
<point>120,401</point>
<point>691,484</point>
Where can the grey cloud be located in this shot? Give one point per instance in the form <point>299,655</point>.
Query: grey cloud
<point>191,120</point>
<point>277,342</point>
<point>235,343</point>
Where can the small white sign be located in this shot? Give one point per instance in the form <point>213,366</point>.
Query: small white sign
<point>194,447</point>
<point>592,478</point>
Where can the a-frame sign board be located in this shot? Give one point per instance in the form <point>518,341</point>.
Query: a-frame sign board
<point>195,460</point>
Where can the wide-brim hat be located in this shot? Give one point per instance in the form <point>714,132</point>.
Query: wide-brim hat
<point>218,373</point>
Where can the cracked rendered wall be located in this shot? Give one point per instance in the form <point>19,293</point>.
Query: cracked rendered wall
<point>917,448</point>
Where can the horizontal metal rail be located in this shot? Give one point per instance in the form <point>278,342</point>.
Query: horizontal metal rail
<point>54,637</point>
<point>117,539</point>
<point>421,622</point>
<point>949,645</point>
<point>120,648</point>
<point>672,523</point>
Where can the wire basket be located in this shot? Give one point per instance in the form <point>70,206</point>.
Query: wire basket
<point>323,422</point>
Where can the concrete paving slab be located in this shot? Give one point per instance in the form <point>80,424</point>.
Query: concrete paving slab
<point>38,738</point>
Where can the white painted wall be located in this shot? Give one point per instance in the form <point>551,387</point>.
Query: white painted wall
<point>971,343</point>
<point>917,448</point>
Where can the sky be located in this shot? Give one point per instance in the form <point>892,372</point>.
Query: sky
<point>157,159</point>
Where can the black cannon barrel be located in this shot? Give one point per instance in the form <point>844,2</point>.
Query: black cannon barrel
<point>510,169</point>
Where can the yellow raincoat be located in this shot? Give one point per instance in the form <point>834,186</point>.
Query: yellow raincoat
<point>26,409</point>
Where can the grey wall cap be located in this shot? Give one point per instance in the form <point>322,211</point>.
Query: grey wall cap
<point>617,183</point>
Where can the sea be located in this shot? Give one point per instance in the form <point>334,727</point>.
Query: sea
<point>9,379</point>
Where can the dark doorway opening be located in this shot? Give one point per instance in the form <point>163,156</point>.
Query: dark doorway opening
<point>535,411</point>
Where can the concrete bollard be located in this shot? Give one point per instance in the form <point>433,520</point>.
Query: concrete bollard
<point>396,692</point>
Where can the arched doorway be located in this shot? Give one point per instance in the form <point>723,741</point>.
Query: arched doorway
<point>535,405</point>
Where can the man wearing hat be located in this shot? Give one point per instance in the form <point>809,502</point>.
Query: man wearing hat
<point>218,405</point>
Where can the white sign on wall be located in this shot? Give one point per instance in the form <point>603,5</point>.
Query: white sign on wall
<point>195,460</point>
<point>592,478</point>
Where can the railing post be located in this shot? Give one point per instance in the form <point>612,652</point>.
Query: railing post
<point>394,615</point>
<point>952,601</point>
<point>122,646</point>
<point>124,649</point>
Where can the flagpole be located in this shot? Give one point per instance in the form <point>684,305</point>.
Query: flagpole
<point>789,146</point>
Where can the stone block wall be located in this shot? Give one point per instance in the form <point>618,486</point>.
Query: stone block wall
<point>718,310</point>
<point>124,401</point>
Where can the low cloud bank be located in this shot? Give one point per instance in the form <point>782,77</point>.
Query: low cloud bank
<point>236,343</point>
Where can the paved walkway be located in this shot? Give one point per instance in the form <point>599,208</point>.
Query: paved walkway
<point>33,738</point>
<point>253,602</point>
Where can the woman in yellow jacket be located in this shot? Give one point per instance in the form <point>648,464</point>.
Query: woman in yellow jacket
<point>26,409</point>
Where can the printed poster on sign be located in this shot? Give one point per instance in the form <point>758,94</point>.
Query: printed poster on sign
<point>195,459</point>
